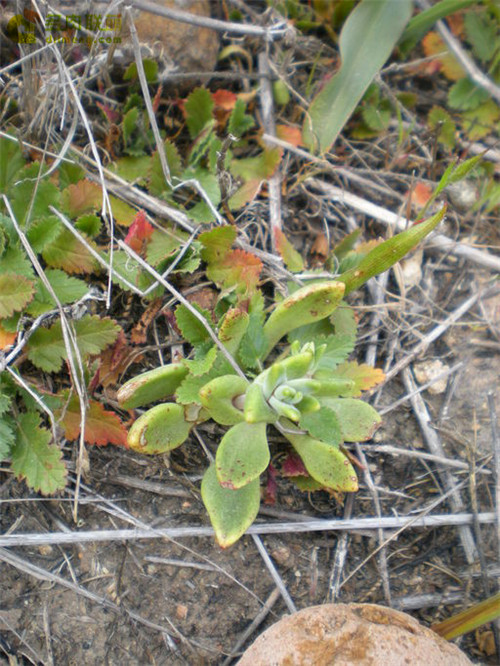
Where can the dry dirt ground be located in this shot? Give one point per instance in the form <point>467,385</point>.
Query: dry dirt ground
<point>183,600</point>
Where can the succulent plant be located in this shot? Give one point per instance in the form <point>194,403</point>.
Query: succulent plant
<point>310,393</point>
<point>300,394</point>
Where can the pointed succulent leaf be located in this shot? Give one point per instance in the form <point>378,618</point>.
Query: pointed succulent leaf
<point>243,455</point>
<point>304,385</point>
<point>231,512</point>
<point>256,409</point>
<point>218,398</point>
<point>160,429</point>
<point>308,404</point>
<point>325,463</point>
<point>386,254</point>
<point>323,424</point>
<point>306,305</point>
<point>151,386</point>
<point>284,409</point>
<point>358,420</point>
<point>332,386</point>
<point>233,328</point>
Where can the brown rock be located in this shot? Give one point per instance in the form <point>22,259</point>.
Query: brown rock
<point>190,47</point>
<point>346,634</point>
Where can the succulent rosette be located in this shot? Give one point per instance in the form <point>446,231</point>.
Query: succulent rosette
<point>308,393</point>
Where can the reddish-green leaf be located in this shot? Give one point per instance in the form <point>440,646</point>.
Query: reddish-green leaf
<point>364,376</point>
<point>101,427</point>
<point>68,253</point>
<point>16,291</point>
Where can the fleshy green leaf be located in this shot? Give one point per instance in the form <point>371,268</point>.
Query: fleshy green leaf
<point>15,292</point>
<point>368,36</point>
<point>218,395</point>
<point>309,304</point>
<point>34,459</point>
<point>233,328</point>
<point>386,254</point>
<point>243,455</point>
<point>151,386</point>
<point>325,463</point>
<point>358,420</point>
<point>160,429</point>
<point>231,512</point>
<point>323,424</point>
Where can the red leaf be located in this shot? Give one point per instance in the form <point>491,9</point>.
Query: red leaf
<point>293,466</point>
<point>111,115</point>
<point>101,427</point>
<point>224,99</point>
<point>271,489</point>
<point>238,268</point>
<point>292,135</point>
<point>139,231</point>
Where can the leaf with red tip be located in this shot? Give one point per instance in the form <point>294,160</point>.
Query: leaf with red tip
<point>293,466</point>
<point>101,427</point>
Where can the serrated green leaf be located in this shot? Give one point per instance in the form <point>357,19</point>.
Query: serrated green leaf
<point>160,429</point>
<point>198,109</point>
<point>7,437</point>
<point>156,180</point>
<point>325,463</point>
<point>69,174</point>
<point>34,459</point>
<point>231,512</point>
<point>152,385</point>
<point>440,121</point>
<point>129,124</point>
<point>253,343</point>
<point>465,95</point>
<point>216,243</point>
<point>358,420</point>
<point>161,246</point>
<point>45,194</point>
<point>46,347</point>
<point>150,71</point>
<point>16,292</point>
<point>15,260</point>
<point>11,163</point>
<point>480,122</point>
<point>239,122</point>
<point>68,253</point>
<point>43,231</point>
<point>367,38</point>
<point>204,359</point>
<point>68,289</point>
<point>89,225</point>
<point>482,33</point>
<point>243,455</point>
<point>201,212</point>
<point>323,424</point>
<point>190,326</point>
<point>133,169</point>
